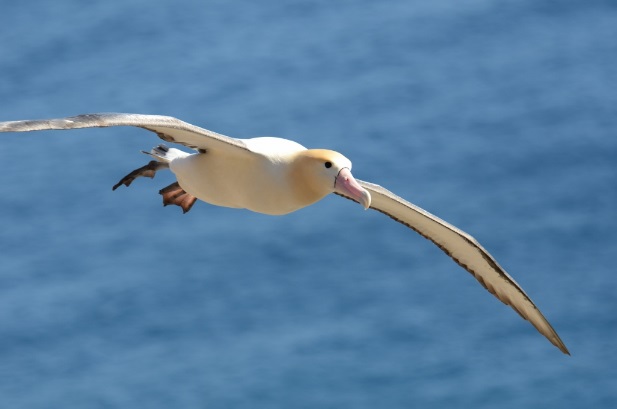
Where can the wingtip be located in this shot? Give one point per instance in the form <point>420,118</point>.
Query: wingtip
<point>555,340</point>
<point>562,347</point>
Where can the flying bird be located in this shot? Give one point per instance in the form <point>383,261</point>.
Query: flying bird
<point>277,176</point>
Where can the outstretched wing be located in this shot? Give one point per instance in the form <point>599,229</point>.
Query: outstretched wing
<point>167,128</point>
<point>467,252</point>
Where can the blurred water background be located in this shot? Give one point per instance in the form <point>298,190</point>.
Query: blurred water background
<point>498,116</point>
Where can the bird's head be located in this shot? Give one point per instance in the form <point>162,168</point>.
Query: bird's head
<point>325,171</point>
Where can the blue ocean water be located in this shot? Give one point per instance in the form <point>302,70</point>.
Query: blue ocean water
<point>498,116</point>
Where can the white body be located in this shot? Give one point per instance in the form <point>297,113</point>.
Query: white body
<point>255,182</point>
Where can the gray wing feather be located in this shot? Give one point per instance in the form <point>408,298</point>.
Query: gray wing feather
<point>167,128</point>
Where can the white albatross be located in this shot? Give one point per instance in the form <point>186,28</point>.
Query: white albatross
<point>278,176</point>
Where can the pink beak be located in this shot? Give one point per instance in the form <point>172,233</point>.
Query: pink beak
<point>346,185</point>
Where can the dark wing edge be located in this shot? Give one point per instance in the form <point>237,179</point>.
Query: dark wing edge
<point>167,128</point>
<point>465,251</point>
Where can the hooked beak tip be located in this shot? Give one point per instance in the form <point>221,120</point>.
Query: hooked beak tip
<point>366,199</point>
<point>347,185</point>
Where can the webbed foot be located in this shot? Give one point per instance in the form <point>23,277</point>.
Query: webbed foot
<point>174,194</point>
<point>147,171</point>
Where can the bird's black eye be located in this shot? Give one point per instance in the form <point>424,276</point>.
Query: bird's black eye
<point>328,165</point>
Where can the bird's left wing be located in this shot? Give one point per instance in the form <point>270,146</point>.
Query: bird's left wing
<point>467,252</point>
<point>167,128</point>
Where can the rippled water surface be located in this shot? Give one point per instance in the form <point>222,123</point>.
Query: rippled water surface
<point>500,117</point>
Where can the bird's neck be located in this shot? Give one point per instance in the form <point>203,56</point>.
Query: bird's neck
<point>303,186</point>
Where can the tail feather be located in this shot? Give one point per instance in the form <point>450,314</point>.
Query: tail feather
<point>165,154</point>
